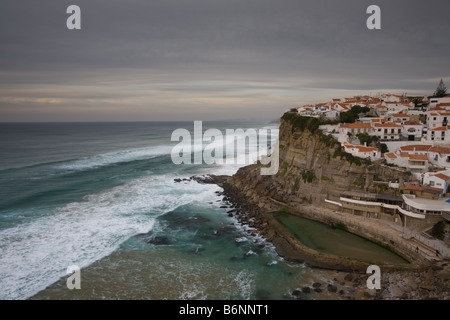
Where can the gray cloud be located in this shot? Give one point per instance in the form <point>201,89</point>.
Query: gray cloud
<point>161,59</point>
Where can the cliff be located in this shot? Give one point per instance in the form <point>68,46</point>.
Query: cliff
<point>313,167</point>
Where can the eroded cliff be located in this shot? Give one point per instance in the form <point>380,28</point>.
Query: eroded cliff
<point>313,167</point>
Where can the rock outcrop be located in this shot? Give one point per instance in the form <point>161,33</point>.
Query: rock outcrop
<point>313,168</point>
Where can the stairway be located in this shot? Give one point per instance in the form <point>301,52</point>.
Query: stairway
<point>428,252</point>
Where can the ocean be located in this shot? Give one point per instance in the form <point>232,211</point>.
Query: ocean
<point>109,199</point>
<point>102,196</point>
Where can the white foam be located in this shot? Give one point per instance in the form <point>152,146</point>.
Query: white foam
<point>115,157</point>
<point>245,282</point>
<point>36,254</point>
<point>240,239</point>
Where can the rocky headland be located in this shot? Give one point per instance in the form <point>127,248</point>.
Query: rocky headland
<point>314,168</point>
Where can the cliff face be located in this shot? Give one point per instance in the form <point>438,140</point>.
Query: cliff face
<point>311,170</point>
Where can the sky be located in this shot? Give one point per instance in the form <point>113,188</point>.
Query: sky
<point>162,60</point>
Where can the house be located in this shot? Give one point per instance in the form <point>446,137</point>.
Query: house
<point>341,107</point>
<point>387,131</point>
<point>416,163</point>
<point>363,152</point>
<point>437,119</point>
<point>440,180</point>
<point>416,148</point>
<point>412,130</point>
<point>380,110</point>
<point>439,134</point>
<point>398,118</point>
<point>439,156</point>
<point>444,106</point>
<point>355,128</point>
<point>435,101</point>
<point>391,158</point>
<point>394,98</point>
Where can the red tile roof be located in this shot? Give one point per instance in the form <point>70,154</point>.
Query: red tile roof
<point>387,125</point>
<point>440,150</point>
<point>404,154</point>
<point>442,176</point>
<point>356,125</point>
<point>391,155</point>
<point>412,187</point>
<point>421,157</point>
<point>400,115</point>
<point>416,147</point>
<point>411,123</point>
<point>440,128</point>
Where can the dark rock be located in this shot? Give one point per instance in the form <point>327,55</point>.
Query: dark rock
<point>296,292</point>
<point>158,240</point>
<point>306,289</point>
<point>332,288</point>
<point>316,285</point>
<point>348,277</point>
<point>318,290</point>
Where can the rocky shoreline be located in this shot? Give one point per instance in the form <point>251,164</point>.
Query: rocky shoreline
<point>346,279</point>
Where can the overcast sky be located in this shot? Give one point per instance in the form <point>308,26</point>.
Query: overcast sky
<point>211,59</point>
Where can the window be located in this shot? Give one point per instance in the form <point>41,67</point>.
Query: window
<point>431,183</point>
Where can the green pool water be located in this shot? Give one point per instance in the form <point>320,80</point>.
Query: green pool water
<point>323,238</point>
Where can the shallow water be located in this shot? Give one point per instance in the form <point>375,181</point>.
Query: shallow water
<point>323,238</point>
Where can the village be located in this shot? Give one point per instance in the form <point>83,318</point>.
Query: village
<point>411,134</point>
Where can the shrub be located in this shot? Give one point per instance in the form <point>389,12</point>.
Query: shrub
<point>438,230</point>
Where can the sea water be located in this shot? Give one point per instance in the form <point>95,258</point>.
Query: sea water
<point>102,196</point>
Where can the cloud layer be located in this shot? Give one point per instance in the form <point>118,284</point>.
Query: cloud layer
<point>216,59</point>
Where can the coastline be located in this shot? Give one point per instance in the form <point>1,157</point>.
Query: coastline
<point>420,279</point>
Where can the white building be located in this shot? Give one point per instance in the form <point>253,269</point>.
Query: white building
<point>398,118</point>
<point>416,148</point>
<point>387,131</point>
<point>416,163</point>
<point>437,119</point>
<point>394,98</point>
<point>412,130</point>
<point>363,152</point>
<point>439,134</point>
<point>439,156</point>
<point>439,180</point>
<point>355,128</point>
<point>435,101</point>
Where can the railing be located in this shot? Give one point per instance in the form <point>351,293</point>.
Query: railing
<point>434,244</point>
